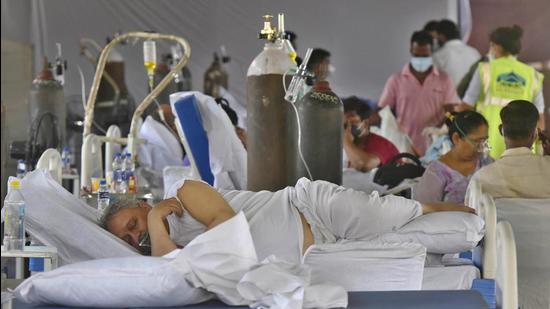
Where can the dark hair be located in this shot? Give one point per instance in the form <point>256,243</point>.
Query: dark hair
<point>519,119</point>
<point>291,36</point>
<point>449,29</point>
<point>228,110</point>
<point>422,38</point>
<point>464,123</point>
<point>431,26</point>
<point>355,104</point>
<point>317,56</point>
<point>508,37</point>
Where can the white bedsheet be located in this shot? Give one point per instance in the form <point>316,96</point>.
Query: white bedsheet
<point>449,277</point>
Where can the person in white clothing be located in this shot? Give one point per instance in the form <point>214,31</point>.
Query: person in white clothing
<point>454,57</point>
<point>284,223</point>
<point>163,147</point>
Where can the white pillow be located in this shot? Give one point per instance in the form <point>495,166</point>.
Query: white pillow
<point>441,232</point>
<point>367,265</point>
<point>117,282</point>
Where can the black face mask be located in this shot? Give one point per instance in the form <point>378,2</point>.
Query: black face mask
<point>355,131</point>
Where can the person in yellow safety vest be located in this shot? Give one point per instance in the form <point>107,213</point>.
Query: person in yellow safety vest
<point>502,80</point>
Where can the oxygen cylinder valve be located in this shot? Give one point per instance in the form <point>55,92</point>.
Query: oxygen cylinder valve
<point>298,80</point>
<point>60,66</point>
<point>268,32</point>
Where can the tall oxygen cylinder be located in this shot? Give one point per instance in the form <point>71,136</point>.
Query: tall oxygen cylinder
<point>268,115</point>
<point>214,78</point>
<point>321,115</point>
<point>4,153</point>
<point>115,68</point>
<point>46,99</point>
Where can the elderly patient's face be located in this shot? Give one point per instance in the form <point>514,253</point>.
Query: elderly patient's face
<point>129,224</point>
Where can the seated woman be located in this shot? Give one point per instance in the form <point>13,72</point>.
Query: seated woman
<point>284,223</point>
<point>446,179</point>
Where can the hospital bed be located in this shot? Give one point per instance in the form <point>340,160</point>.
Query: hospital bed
<point>378,300</point>
<point>498,259</point>
<point>530,220</point>
<point>498,238</point>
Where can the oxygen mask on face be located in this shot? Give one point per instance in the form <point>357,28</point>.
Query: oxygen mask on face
<point>145,244</point>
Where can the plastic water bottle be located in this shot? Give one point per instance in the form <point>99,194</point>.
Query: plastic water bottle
<point>66,159</point>
<point>129,173</point>
<point>21,169</point>
<point>36,265</point>
<point>103,197</point>
<point>14,220</point>
<point>117,174</point>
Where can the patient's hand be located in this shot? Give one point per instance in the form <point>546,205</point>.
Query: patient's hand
<point>435,207</point>
<point>165,208</point>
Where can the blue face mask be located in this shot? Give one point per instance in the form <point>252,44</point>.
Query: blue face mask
<point>421,64</point>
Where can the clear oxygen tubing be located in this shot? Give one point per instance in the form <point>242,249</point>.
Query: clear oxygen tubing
<point>296,83</point>
<point>83,91</point>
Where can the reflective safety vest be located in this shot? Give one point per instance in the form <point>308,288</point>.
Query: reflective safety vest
<point>503,80</point>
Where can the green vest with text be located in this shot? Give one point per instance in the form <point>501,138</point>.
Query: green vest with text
<point>502,81</point>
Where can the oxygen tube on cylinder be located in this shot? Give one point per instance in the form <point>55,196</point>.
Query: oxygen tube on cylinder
<point>291,95</point>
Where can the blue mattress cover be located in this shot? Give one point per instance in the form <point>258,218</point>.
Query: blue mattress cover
<point>459,299</point>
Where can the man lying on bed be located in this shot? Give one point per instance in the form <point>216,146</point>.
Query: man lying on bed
<point>284,223</point>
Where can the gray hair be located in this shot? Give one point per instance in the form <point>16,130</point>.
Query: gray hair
<point>114,207</point>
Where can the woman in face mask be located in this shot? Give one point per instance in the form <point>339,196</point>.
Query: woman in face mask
<point>501,80</point>
<point>446,179</point>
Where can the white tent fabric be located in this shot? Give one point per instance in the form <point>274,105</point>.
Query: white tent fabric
<point>362,67</point>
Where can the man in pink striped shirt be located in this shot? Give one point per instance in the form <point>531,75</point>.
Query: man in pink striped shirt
<point>420,94</point>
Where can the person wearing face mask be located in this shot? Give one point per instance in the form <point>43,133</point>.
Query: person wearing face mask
<point>519,173</point>
<point>501,80</point>
<point>446,179</point>
<point>319,64</point>
<point>420,94</point>
<point>363,150</point>
<point>454,57</point>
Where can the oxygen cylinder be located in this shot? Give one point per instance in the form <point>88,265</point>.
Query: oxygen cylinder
<point>115,68</point>
<point>321,120</point>
<point>268,117</point>
<point>3,149</point>
<point>214,77</point>
<point>46,99</point>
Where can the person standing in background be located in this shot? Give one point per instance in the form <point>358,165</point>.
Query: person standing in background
<point>420,94</point>
<point>454,57</point>
<point>501,80</point>
<point>431,28</point>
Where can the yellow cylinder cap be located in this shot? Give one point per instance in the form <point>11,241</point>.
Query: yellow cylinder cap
<point>16,184</point>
